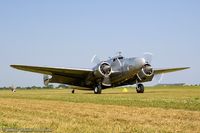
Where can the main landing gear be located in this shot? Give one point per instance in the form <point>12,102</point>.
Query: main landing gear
<point>97,89</point>
<point>140,88</point>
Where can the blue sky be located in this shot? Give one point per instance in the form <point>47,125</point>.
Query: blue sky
<point>68,33</point>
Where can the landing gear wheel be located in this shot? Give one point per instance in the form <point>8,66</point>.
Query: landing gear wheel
<point>97,89</point>
<point>140,88</point>
<point>73,91</point>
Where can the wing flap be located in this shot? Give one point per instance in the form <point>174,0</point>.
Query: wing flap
<point>169,70</point>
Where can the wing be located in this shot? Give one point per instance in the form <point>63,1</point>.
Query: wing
<point>168,70</point>
<point>69,76</point>
<point>72,72</point>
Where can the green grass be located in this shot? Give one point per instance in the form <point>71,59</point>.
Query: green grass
<point>187,98</point>
<point>159,109</point>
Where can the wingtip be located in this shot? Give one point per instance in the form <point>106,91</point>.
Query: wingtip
<point>187,67</point>
<point>184,68</point>
<point>12,66</point>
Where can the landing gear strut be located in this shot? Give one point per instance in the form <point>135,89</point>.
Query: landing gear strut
<point>97,89</point>
<point>140,88</point>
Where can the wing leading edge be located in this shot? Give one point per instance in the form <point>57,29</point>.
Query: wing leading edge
<point>68,72</point>
<point>169,70</point>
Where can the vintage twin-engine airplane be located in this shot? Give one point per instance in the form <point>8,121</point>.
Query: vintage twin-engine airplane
<point>117,71</point>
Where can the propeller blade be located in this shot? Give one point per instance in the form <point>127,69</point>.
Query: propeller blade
<point>158,78</point>
<point>106,81</point>
<point>95,60</point>
<point>119,62</point>
<point>148,57</point>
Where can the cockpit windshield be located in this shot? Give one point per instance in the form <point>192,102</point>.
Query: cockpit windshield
<point>118,58</point>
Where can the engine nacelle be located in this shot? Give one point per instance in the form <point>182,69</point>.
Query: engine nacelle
<point>103,70</point>
<point>146,73</point>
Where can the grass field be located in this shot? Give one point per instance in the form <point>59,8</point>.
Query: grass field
<point>159,109</point>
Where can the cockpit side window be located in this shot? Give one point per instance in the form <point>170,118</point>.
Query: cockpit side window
<point>120,58</point>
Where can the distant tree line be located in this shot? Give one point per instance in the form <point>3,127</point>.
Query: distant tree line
<point>35,87</point>
<point>178,84</point>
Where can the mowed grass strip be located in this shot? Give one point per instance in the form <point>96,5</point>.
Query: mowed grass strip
<point>62,117</point>
<point>186,98</point>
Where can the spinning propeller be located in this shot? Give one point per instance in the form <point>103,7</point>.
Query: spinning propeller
<point>104,70</point>
<point>148,59</point>
<point>95,60</point>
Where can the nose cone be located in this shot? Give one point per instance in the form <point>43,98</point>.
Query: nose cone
<point>139,62</point>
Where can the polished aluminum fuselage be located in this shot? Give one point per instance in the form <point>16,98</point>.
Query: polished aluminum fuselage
<point>124,70</point>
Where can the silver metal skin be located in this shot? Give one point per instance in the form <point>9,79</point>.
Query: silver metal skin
<point>117,71</point>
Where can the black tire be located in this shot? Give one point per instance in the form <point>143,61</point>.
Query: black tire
<point>73,91</point>
<point>140,88</point>
<point>97,89</point>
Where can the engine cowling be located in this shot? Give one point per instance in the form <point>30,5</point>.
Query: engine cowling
<point>103,70</point>
<point>146,73</point>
